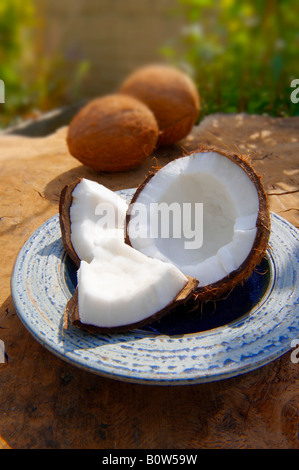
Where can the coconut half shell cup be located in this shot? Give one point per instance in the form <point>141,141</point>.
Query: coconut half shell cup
<point>223,286</point>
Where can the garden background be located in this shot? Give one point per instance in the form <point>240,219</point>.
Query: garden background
<point>243,56</point>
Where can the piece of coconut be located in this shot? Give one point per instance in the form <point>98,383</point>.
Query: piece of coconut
<point>88,213</point>
<point>122,289</point>
<point>118,287</point>
<point>235,224</point>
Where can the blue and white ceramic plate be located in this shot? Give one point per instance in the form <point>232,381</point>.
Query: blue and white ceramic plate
<point>253,326</point>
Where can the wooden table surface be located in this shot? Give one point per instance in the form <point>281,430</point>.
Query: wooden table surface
<point>47,403</point>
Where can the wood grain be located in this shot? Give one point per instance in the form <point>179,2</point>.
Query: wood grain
<point>47,403</point>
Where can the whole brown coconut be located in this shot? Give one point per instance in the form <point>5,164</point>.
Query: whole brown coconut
<point>170,94</point>
<point>113,133</point>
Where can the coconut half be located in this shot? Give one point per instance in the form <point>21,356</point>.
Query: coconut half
<point>118,287</point>
<point>228,235</point>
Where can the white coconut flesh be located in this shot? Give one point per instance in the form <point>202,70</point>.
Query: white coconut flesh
<point>117,285</point>
<point>91,203</point>
<point>230,211</point>
<point>122,286</point>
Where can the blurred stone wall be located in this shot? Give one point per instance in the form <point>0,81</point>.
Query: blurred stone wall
<point>115,36</point>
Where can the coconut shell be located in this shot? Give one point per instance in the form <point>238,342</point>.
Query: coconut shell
<point>170,94</point>
<point>65,203</point>
<point>239,276</point>
<point>71,313</point>
<point>113,133</point>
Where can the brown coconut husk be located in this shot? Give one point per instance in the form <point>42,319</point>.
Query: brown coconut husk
<point>65,203</point>
<point>170,94</point>
<point>222,288</point>
<point>113,133</point>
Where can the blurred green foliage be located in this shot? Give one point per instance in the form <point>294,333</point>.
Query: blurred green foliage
<point>242,55</point>
<point>33,82</point>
